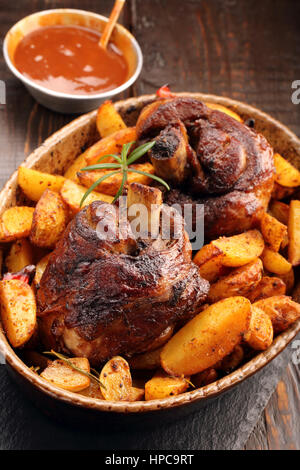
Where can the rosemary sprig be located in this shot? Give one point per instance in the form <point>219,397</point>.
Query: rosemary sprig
<point>122,166</point>
<point>70,364</point>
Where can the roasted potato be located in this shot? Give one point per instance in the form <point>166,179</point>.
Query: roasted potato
<point>273,231</point>
<point>147,361</point>
<point>260,333</point>
<point>281,192</point>
<point>72,193</point>
<point>240,281</point>
<point>40,268</point>
<point>71,173</point>
<point>163,386</point>
<point>282,310</point>
<point>294,233</point>
<point>111,144</point>
<point>19,256</point>
<point>267,287</point>
<point>111,185</point>
<point>289,281</point>
<point>116,378</point>
<point>280,211</point>
<point>209,260</point>
<point>240,249</point>
<point>275,262</point>
<point>286,174</point>
<point>136,394</point>
<point>206,377</point>
<point>207,338</point>
<point>18,311</point>
<point>108,119</point>
<point>225,110</point>
<point>34,183</point>
<point>16,223</point>
<point>63,376</point>
<point>232,361</point>
<point>50,219</point>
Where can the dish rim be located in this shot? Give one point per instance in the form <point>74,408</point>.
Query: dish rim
<point>207,392</point>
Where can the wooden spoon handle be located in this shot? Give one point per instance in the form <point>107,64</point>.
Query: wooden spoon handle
<point>118,6</point>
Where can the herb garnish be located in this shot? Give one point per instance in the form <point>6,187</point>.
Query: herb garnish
<point>121,167</point>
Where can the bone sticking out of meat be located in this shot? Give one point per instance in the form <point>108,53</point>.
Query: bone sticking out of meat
<point>169,154</point>
<point>146,201</point>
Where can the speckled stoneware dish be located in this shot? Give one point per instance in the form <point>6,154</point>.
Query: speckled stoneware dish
<point>55,155</point>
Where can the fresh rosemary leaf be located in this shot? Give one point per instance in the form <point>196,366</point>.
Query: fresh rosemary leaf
<point>101,166</point>
<point>94,185</point>
<point>154,177</point>
<point>139,152</point>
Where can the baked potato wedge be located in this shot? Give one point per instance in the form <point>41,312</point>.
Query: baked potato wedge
<point>19,256</point>
<point>111,144</point>
<point>50,219</point>
<point>18,311</point>
<point>206,377</point>
<point>108,120</point>
<point>33,183</point>
<point>282,310</point>
<point>72,193</point>
<point>40,268</point>
<point>240,249</point>
<point>116,378</point>
<point>163,386</point>
<point>286,174</point>
<point>71,172</point>
<point>146,361</point>
<point>260,333</point>
<point>63,376</point>
<point>209,260</point>
<point>225,110</point>
<point>280,211</point>
<point>16,223</point>
<point>207,338</point>
<point>274,262</point>
<point>273,231</point>
<point>111,185</point>
<point>267,287</point>
<point>294,233</point>
<point>241,281</point>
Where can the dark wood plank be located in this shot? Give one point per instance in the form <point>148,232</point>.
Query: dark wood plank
<point>248,50</point>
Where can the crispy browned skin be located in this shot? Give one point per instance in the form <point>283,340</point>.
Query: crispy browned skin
<point>228,167</point>
<point>101,298</point>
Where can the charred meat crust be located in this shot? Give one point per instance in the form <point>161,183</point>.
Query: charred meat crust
<point>228,166</point>
<point>116,300</point>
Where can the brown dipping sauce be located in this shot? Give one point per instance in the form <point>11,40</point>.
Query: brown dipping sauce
<point>68,59</point>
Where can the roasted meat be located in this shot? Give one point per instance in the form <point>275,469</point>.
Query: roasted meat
<point>101,296</point>
<point>212,159</point>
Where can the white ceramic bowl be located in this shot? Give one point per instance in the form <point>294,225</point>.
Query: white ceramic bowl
<point>65,102</point>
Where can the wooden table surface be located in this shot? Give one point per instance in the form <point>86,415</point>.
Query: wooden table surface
<point>246,49</point>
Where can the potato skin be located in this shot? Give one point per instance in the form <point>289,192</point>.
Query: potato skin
<point>16,223</point>
<point>267,287</point>
<point>108,119</point>
<point>209,260</point>
<point>111,144</point>
<point>240,282</point>
<point>163,386</point>
<point>50,219</point>
<point>18,311</point>
<point>260,334</point>
<point>20,255</point>
<point>116,378</point>
<point>72,193</point>
<point>275,263</point>
<point>34,183</point>
<point>207,338</point>
<point>282,310</point>
<point>294,233</point>
<point>241,249</point>
<point>274,232</point>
